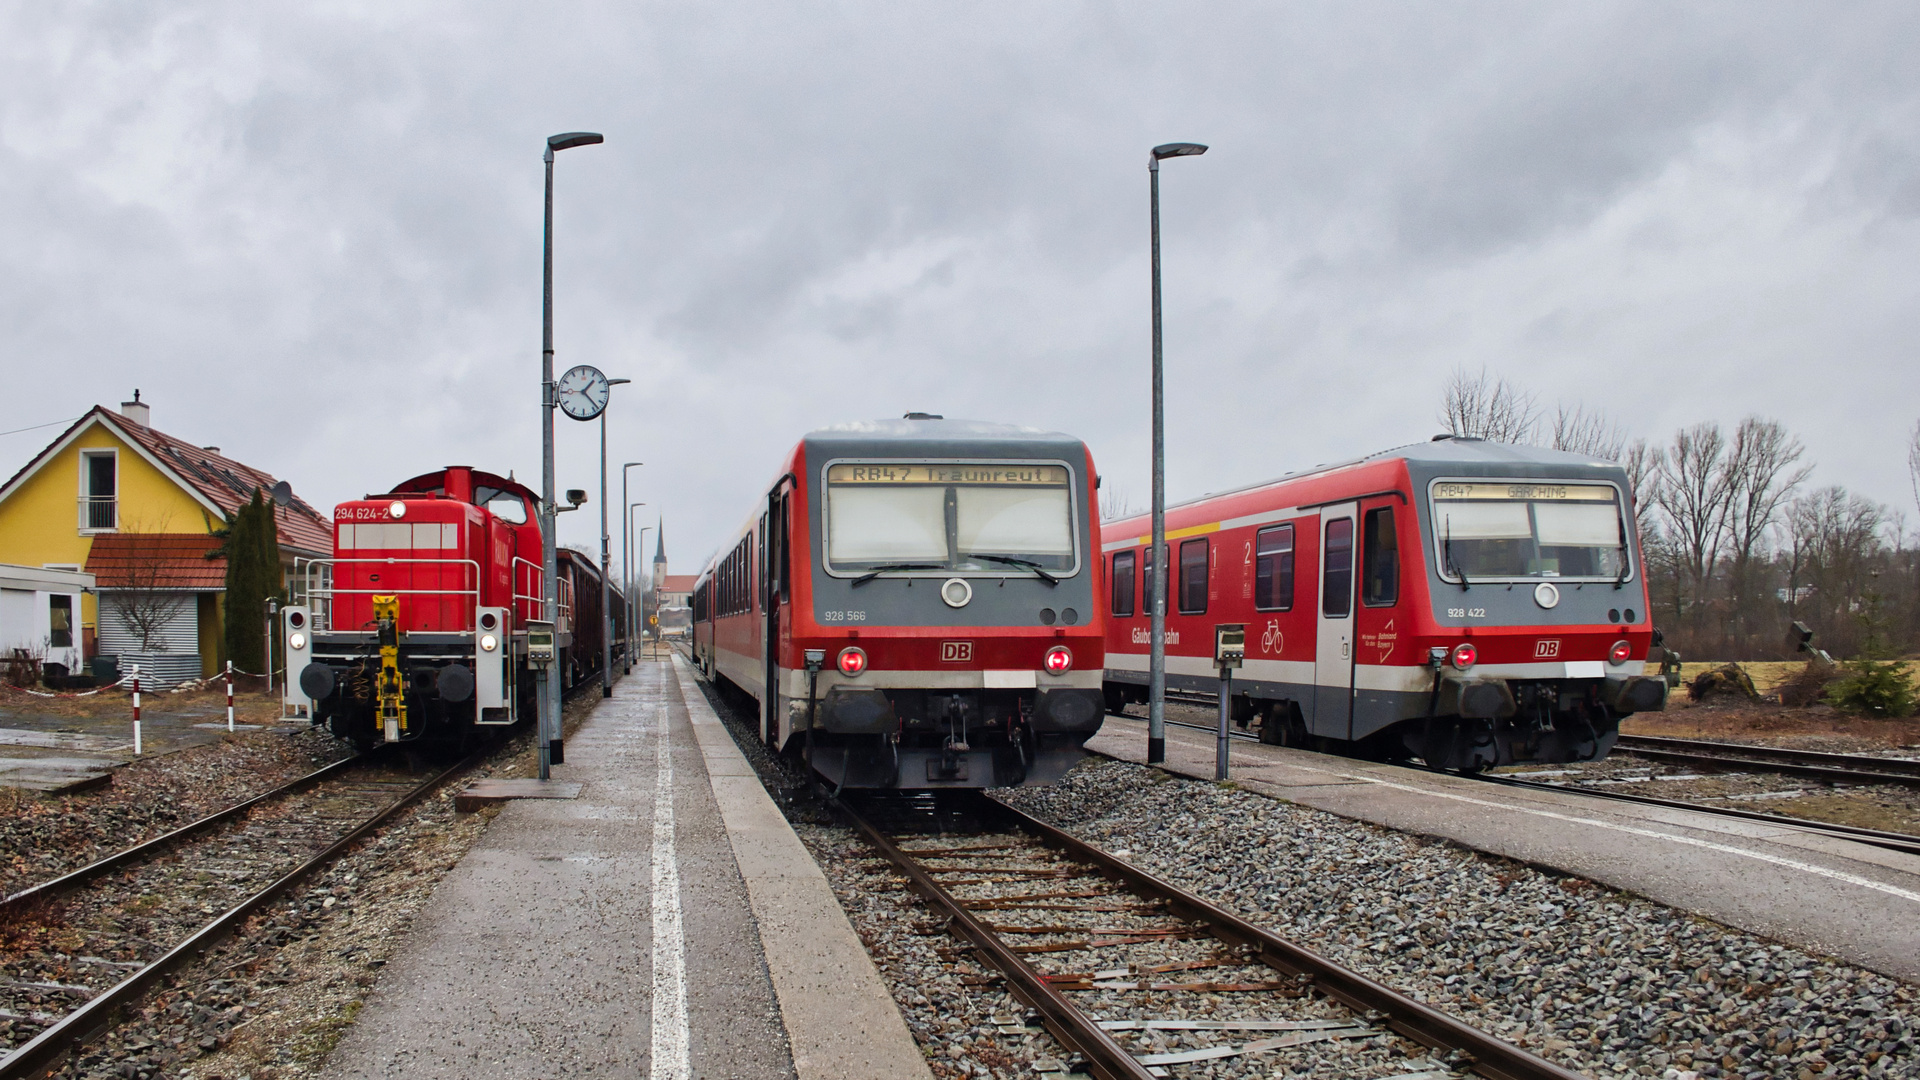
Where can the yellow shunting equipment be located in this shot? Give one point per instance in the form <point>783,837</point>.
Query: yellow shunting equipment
<point>389,686</point>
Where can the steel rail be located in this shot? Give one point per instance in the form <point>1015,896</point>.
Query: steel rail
<point>1860,762</point>
<point>1893,841</point>
<point>1729,763</point>
<point>1487,1055</point>
<point>1105,1057</point>
<point>66,882</point>
<point>77,1028</point>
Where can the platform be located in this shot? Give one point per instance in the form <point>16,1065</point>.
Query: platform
<point>1852,901</point>
<point>665,923</point>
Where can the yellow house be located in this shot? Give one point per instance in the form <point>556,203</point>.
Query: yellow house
<point>137,508</point>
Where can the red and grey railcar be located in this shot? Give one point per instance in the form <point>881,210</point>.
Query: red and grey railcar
<point>428,621</point>
<point>1467,603</point>
<point>916,603</point>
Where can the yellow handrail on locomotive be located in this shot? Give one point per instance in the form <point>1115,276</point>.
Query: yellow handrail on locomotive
<point>389,686</point>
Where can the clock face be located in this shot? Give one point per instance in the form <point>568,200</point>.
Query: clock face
<point>582,392</point>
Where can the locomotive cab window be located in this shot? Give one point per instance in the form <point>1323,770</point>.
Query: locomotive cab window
<point>1532,529</point>
<point>984,517</point>
<point>1273,568</point>
<point>1380,562</point>
<point>1336,577</point>
<point>1193,577</point>
<point>1123,583</point>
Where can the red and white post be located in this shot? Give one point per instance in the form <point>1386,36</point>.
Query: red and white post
<point>136,710</point>
<point>229,695</point>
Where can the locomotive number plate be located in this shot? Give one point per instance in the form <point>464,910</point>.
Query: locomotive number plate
<point>956,652</point>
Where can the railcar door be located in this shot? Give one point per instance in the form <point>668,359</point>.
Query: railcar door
<point>775,604</point>
<point>1333,655</point>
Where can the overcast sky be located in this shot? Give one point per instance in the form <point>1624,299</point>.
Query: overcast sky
<point>311,233</point>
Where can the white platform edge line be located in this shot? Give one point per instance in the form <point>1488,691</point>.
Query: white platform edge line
<point>1631,830</point>
<point>841,1021</point>
<point>670,1058</point>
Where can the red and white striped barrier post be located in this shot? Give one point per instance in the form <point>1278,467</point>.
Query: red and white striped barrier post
<point>229,695</point>
<point>136,710</point>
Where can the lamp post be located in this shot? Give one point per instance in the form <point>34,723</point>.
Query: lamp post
<point>626,561</point>
<point>1156,555</point>
<point>549,686</point>
<point>639,601</point>
<point>606,564</point>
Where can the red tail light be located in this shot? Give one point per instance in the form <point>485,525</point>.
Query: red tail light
<point>1464,654</point>
<point>852,661</point>
<point>1620,653</point>
<point>1058,661</point>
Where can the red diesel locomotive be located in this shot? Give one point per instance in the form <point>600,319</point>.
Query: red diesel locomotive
<point>1467,603</point>
<point>916,603</point>
<point>428,620</point>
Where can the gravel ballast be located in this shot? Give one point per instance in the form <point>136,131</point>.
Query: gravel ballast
<point>1599,981</point>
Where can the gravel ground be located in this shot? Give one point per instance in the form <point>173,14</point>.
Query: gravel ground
<point>271,1001</point>
<point>1603,982</point>
<point>41,838</point>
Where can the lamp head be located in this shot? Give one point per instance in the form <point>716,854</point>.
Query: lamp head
<point>617,382</point>
<point>1174,149</point>
<point>570,139</point>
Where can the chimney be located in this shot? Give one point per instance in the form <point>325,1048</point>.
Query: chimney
<point>135,410</point>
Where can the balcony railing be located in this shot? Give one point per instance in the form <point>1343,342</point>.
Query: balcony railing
<point>99,512</point>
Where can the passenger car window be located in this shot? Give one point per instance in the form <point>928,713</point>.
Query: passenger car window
<point>1146,582</point>
<point>1193,577</point>
<point>1123,583</point>
<point>1336,575</point>
<point>1273,568</point>
<point>1380,560</point>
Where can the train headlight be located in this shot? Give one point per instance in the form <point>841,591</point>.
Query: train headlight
<point>1620,653</point>
<point>488,643</point>
<point>852,661</point>
<point>296,641</point>
<point>1058,661</point>
<point>1464,654</point>
<point>396,508</point>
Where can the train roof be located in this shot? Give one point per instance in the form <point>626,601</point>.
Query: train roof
<point>1439,453</point>
<point>961,435</point>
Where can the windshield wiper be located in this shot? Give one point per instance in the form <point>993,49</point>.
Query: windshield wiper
<point>1621,581</point>
<point>1024,564</point>
<point>1451,565</point>
<point>890,567</point>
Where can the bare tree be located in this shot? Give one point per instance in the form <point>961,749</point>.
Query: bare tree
<point>1642,462</point>
<point>1483,407</point>
<point>1578,430</point>
<point>1693,495</point>
<point>1116,504</point>
<point>1833,542</point>
<point>1913,460</point>
<point>1762,471</point>
<point>144,593</point>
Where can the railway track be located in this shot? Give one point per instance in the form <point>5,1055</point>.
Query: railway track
<point>1807,764</point>
<point>1056,917</point>
<point>154,908</point>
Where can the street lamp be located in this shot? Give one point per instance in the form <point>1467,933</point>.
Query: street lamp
<point>639,548</point>
<point>1156,555</point>
<point>606,563</point>
<point>626,561</point>
<point>549,686</point>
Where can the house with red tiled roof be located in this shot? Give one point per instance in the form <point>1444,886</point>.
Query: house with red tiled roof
<point>138,509</point>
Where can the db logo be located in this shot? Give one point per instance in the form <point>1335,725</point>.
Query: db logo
<point>1546,649</point>
<point>956,652</point>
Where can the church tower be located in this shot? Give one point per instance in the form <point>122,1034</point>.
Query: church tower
<point>660,554</point>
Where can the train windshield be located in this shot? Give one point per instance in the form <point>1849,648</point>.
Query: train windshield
<point>985,517</point>
<point>1528,529</point>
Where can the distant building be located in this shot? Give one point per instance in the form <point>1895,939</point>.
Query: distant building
<point>137,509</point>
<point>40,617</point>
<point>672,593</point>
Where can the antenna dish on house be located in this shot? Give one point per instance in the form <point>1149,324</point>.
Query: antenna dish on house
<point>282,493</point>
